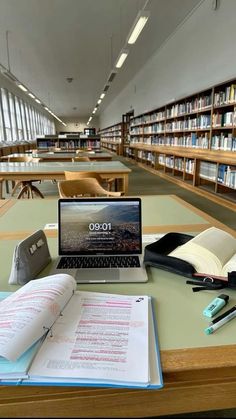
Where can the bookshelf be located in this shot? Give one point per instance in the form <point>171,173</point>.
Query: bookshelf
<point>23,147</point>
<point>191,141</point>
<point>111,138</point>
<point>68,142</point>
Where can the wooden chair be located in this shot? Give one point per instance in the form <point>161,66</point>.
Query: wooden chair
<point>107,183</point>
<point>27,189</point>
<point>83,187</point>
<point>80,158</point>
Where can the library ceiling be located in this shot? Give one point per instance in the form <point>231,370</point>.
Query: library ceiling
<point>64,51</point>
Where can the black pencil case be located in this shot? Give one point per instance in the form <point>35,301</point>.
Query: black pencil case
<point>156,255</point>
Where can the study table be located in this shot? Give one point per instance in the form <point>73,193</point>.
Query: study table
<point>199,371</point>
<point>55,171</point>
<point>53,156</point>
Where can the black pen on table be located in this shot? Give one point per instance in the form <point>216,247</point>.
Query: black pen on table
<point>225,314</point>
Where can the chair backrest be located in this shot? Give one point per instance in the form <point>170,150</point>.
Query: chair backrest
<point>21,159</point>
<point>81,158</point>
<point>83,187</point>
<point>81,175</point>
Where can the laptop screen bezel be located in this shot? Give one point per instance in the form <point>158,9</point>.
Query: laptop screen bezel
<point>99,199</point>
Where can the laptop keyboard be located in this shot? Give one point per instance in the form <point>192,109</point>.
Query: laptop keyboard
<point>74,262</point>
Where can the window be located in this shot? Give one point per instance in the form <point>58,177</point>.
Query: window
<point>1,125</point>
<point>13,117</point>
<point>20,121</point>
<point>22,108</point>
<point>6,114</point>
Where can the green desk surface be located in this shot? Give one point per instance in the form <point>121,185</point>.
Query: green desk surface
<point>178,310</point>
<point>28,215</point>
<point>180,321</point>
<point>60,155</point>
<point>59,167</point>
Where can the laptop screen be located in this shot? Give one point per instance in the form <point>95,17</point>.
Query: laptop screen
<point>93,226</point>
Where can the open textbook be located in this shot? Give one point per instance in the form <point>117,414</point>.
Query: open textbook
<point>211,252</point>
<point>52,334</point>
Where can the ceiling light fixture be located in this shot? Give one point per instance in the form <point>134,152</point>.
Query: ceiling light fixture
<point>122,57</point>
<point>31,95</point>
<point>138,26</point>
<point>22,87</point>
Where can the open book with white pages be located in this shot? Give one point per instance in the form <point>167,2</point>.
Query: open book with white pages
<point>52,334</point>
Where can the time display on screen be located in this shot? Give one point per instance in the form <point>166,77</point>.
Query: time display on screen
<point>99,226</point>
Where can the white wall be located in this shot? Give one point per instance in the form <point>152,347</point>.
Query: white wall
<point>200,54</point>
<point>75,124</point>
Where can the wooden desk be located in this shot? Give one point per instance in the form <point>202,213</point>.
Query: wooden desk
<point>55,170</point>
<point>199,371</point>
<point>65,156</point>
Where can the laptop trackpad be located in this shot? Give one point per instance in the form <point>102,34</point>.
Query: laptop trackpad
<point>97,275</point>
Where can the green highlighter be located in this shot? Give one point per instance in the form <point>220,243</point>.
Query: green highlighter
<point>216,305</point>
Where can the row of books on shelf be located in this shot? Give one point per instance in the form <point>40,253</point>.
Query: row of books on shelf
<point>227,175</point>
<point>200,122</point>
<point>146,155</point>
<point>223,142</point>
<point>227,119</point>
<point>178,163</point>
<point>217,142</point>
<point>226,96</point>
<point>114,128</point>
<point>224,174</point>
<point>208,170</point>
<point>194,105</point>
<point>176,110</point>
<point>203,121</point>
<point>112,139</point>
<point>71,144</point>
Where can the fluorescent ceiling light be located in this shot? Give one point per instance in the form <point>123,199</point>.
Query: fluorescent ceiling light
<point>99,101</point>
<point>122,57</point>
<point>138,25</point>
<point>102,95</point>
<point>37,100</point>
<point>22,87</point>
<point>31,95</point>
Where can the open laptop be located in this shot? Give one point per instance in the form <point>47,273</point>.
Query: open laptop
<point>100,240</point>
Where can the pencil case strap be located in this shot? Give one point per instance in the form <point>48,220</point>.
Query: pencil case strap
<point>208,283</point>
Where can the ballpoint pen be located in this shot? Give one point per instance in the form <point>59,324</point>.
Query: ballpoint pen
<point>221,316</point>
<point>214,326</point>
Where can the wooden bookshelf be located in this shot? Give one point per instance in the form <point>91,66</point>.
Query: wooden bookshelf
<point>111,138</point>
<point>68,142</point>
<point>192,142</point>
